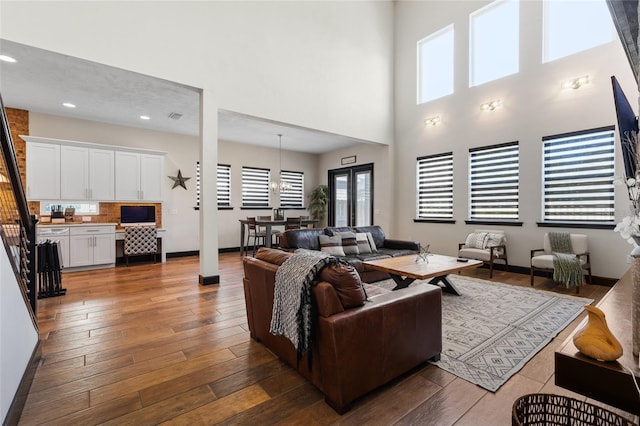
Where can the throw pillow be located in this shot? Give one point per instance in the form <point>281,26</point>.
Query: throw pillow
<point>346,281</point>
<point>331,245</point>
<point>493,240</point>
<point>349,243</point>
<point>372,243</point>
<point>363,243</point>
<point>476,240</point>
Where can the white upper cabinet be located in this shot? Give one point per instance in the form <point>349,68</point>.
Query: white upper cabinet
<point>43,171</point>
<point>139,176</point>
<point>69,170</point>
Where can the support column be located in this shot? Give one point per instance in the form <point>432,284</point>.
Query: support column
<point>209,272</point>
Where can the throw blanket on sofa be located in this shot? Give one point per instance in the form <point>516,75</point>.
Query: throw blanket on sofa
<point>291,315</point>
<point>566,265</point>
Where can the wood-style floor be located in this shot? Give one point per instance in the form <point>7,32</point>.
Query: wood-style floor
<point>146,344</point>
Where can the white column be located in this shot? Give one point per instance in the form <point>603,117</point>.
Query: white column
<point>209,273</point>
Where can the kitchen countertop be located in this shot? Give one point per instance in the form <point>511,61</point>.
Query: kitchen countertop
<point>42,225</point>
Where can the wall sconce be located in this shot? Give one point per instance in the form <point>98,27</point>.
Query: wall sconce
<point>576,83</point>
<point>491,105</point>
<point>432,121</point>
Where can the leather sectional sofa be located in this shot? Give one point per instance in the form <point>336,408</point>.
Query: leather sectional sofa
<point>356,346</point>
<point>385,247</point>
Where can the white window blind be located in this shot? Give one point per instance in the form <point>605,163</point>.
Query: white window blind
<point>224,185</point>
<point>435,65</point>
<point>494,182</point>
<point>435,186</point>
<point>293,197</point>
<point>494,37</point>
<point>255,187</point>
<point>578,170</point>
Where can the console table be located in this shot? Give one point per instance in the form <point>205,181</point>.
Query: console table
<point>608,382</point>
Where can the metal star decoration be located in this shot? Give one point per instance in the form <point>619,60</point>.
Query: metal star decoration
<point>179,180</point>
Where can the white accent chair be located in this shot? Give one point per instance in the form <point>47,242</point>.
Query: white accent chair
<point>542,259</point>
<point>490,251</point>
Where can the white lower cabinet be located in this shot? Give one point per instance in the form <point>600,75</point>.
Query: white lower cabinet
<point>59,234</point>
<point>92,245</point>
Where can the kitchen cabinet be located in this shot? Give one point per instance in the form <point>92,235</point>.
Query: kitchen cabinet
<point>59,234</point>
<point>86,173</point>
<point>43,171</point>
<point>92,245</point>
<point>139,176</point>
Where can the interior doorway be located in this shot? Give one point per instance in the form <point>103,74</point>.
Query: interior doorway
<point>351,196</point>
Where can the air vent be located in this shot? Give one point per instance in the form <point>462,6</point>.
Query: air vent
<point>174,116</point>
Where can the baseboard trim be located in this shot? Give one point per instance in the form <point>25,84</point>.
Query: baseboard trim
<point>183,253</point>
<point>19,399</point>
<point>210,280</point>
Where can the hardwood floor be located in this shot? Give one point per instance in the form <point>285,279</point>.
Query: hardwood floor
<point>146,344</point>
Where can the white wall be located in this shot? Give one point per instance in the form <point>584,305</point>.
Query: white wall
<point>317,64</point>
<point>534,106</point>
<point>18,336</point>
<point>182,228</point>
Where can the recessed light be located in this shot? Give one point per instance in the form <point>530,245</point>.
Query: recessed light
<point>69,105</point>
<point>6,58</point>
<point>145,117</point>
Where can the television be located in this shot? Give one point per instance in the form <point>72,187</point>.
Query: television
<point>137,215</point>
<point>627,122</point>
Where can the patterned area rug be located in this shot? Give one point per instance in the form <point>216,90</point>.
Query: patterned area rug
<point>492,330</point>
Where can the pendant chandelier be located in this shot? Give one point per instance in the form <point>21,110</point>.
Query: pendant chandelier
<point>279,185</point>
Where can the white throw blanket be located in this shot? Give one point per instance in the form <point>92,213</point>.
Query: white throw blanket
<point>291,315</point>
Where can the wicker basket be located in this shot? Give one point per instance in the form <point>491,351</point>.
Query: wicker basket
<point>540,409</point>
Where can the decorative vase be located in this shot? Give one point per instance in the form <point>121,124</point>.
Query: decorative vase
<point>595,340</point>
<point>635,305</point>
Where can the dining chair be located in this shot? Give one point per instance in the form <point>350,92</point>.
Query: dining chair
<point>292,223</point>
<point>140,240</point>
<point>254,233</point>
<point>274,232</point>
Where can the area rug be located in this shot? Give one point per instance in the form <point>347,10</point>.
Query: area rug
<point>492,330</point>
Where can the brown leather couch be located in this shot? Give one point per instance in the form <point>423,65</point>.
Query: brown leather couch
<point>385,247</point>
<point>354,350</point>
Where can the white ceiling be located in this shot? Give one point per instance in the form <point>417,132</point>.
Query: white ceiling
<point>41,81</point>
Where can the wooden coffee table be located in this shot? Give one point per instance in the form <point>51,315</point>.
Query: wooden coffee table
<point>404,269</point>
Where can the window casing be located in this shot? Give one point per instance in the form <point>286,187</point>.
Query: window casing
<point>255,187</point>
<point>294,197</point>
<point>435,65</point>
<point>578,171</point>
<point>434,197</point>
<point>224,185</point>
<point>494,37</point>
<point>574,26</point>
<point>494,179</point>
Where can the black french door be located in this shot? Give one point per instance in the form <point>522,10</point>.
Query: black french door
<point>351,196</point>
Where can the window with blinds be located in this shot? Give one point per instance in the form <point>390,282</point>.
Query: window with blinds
<point>224,185</point>
<point>434,196</point>
<point>494,178</point>
<point>578,170</point>
<point>293,197</point>
<point>255,187</point>
<point>197,184</point>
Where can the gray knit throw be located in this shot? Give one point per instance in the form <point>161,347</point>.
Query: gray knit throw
<point>291,315</point>
<point>566,265</point>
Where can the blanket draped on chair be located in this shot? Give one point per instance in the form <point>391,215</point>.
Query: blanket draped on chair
<point>566,265</point>
<point>291,315</point>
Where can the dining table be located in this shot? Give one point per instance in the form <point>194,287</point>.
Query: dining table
<point>268,226</point>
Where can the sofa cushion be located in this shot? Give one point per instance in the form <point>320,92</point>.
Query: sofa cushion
<point>301,238</point>
<point>363,243</point>
<point>346,280</point>
<point>349,243</point>
<point>474,253</point>
<point>395,252</point>
<point>331,245</point>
